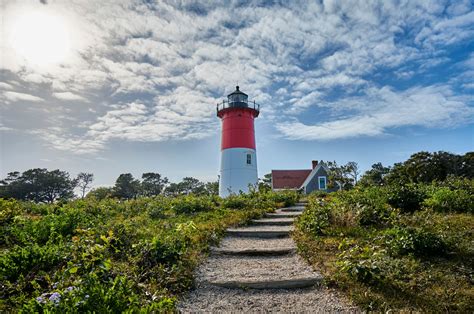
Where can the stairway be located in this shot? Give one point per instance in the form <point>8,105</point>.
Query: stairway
<point>261,256</point>
<point>256,269</point>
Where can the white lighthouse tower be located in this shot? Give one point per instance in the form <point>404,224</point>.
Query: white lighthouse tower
<point>238,153</point>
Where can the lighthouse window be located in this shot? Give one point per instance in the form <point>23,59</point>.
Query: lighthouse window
<point>249,159</point>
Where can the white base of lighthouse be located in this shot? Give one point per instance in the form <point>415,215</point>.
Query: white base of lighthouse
<point>238,171</point>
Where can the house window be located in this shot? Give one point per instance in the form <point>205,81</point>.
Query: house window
<point>322,183</point>
<point>249,159</point>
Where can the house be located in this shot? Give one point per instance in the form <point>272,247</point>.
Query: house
<point>306,180</point>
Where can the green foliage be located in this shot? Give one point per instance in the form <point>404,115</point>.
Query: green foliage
<point>403,247</point>
<point>100,193</point>
<point>38,185</point>
<point>360,263</point>
<point>368,205</point>
<point>21,260</point>
<point>153,184</point>
<point>401,241</point>
<point>126,186</point>
<point>191,204</point>
<point>374,176</point>
<point>107,255</point>
<point>288,198</point>
<point>406,197</point>
<point>315,219</point>
<point>444,199</point>
<point>235,202</point>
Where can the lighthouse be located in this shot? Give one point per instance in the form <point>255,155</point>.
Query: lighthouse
<point>238,153</point>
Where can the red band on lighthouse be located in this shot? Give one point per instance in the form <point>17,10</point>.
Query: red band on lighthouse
<point>238,129</point>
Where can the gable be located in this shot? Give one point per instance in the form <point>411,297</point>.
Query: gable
<point>320,170</point>
<point>289,179</point>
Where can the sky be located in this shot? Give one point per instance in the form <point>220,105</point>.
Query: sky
<point>118,86</point>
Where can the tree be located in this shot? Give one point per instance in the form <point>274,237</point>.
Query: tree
<point>353,171</point>
<point>212,188</point>
<point>425,167</point>
<point>100,193</point>
<point>187,186</point>
<point>265,183</point>
<point>191,185</point>
<point>374,176</point>
<point>38,185</point>
<point>173,189</point>
<point>339,176</point>
<point>153,184</point>
<point>126,186</point>
<point>83,182</point>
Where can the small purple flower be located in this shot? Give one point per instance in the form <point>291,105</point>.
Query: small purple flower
<point>87,296</point>
<point>40,299</point>
<point>69,289</point>
<point>55,297</point>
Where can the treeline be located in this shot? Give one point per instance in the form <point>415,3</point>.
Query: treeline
<point>422,167</point>
<point>43,186</point>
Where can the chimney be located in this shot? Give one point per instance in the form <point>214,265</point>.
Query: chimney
<point>315,163</point>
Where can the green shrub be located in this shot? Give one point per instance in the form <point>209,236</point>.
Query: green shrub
<point>361,263</point>
<point>191,204</point>
<point>235,202</point>
<point>161,250</point>
<point>408,197</point>
<point>402,241</point>
<point>8,210</point>
<point>288,198</point>
<point>447,200</point>
<point>21,260</point>
<point>315,219</point>
<point>369,205</point>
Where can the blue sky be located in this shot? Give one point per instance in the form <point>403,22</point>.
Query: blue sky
<point>130,86</point>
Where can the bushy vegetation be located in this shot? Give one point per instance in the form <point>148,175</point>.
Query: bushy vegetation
<point>401,246</point>
<point>112,255</point>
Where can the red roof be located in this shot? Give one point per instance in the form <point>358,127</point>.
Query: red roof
<point>289,179</point>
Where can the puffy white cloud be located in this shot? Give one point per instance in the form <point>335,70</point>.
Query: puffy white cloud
<point>68,96</point>
<point>10,96</point>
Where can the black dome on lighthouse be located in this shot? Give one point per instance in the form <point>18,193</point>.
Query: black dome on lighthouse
<point>237,92</point>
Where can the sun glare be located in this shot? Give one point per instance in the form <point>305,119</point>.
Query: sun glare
<point>41,38</point>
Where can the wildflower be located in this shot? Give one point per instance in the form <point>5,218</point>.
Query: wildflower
<point>87,296</point>
<point>55,297</point>
<point>40,299</point>
<point>69,289</point>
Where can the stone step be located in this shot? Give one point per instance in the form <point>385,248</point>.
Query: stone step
<point>292,209</point>
<point>267,234</point>
<point>273,222</point>
<point>283,215</point>
<point>232,243</point>
<point>254,251</point>
<point>297,283</point>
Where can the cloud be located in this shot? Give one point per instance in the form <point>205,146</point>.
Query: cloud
<point>379,111</point>
<point>4,128</point>
<point>68,96</point>
<point>153,71</point>
<point>15,97</point>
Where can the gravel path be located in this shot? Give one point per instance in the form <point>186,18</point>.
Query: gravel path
<point>207,297</point>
